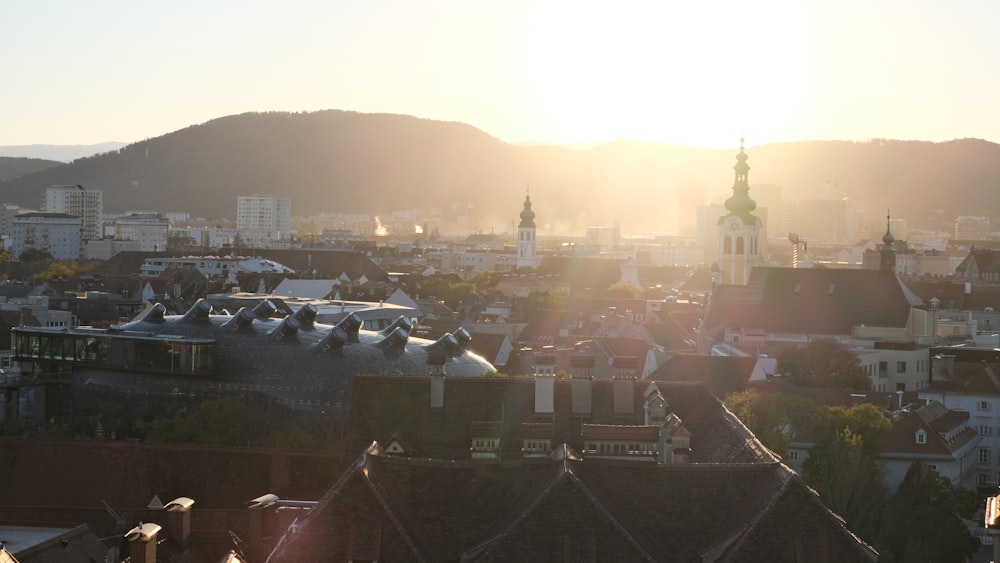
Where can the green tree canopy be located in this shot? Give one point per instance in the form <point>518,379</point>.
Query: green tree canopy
<point>823,363</point>
<point>849,480</point>
<point>923,520</point>
<point>32,254</point>
<point>775,417</point>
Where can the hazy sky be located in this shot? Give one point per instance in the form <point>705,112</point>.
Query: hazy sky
<point>547,71</point>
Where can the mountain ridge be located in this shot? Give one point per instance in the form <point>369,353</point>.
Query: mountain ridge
<point>341,161</point>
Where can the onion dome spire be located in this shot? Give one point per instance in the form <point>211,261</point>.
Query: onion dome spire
<point>527,215</point>
<point>740,202</point>
<point>887,237</point>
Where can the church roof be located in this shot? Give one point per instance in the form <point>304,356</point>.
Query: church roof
<point>812,300</point>
<point>563,507</point>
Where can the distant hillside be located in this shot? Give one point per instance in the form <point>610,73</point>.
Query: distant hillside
<point>13,168</point>
<point>337,161</point>
<point>60,153</point>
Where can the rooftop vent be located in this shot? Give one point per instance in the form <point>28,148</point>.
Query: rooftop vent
<point>265,309</point>
<point>447,346</point>
<point>306,315</point>
<point>155,314</point>
<point>241,320</point>
<point>396,341</point>
<point>287,330</point>
<point>351,325</point>
<point>402,322</point>
<point>334,340</point>
<point>200,310</point>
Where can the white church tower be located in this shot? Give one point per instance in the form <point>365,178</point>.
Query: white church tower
<point>740,231</point>
<point>526,257</point>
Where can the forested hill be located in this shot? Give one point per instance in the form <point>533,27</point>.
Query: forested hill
<point>12,168</point>
<point>337,161</point>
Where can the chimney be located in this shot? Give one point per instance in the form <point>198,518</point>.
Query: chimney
<point>142,543</point>
<point>582,391</point>
<point>179,521</point>
<point>544,393</point>
<point>624,396</point>
<point>262,523</point>
<point>437,390</point>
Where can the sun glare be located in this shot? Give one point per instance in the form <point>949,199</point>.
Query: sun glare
<point>666,72</point>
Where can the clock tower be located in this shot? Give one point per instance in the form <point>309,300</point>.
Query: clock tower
<point>741,233</point>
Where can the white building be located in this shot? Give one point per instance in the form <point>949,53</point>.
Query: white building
<point>148,229</point>
<point>264,216</point>
<point>86,204</point>
<point>56,233</point>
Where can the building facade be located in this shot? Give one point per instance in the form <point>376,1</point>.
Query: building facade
<point>86,204</point>
<point>59,234</point>
<point>148,229</point>
<point>264,216</point>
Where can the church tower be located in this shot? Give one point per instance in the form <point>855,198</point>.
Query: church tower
<point>526,257</point>
<point>887,252</point>
<point>740,231</point>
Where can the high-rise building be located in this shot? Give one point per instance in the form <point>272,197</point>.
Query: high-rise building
<point>85,203</point>
<point>265,217</point>
<point>740,231</point>
<point>526,246</point>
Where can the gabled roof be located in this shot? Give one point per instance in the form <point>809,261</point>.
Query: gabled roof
<point>567,508</point>
<point>721,375</point>
<point>12,290</point>
<point>936,421</point>
<point>812,300</point>
<point>488,345</point>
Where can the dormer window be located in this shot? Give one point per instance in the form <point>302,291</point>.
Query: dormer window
<point>921,436</point>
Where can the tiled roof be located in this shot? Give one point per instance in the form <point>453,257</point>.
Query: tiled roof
<point>566,508</point>
<point>382,406</point>
<point>935,420</point>
<point>722,375</point>
<point>812,300</point>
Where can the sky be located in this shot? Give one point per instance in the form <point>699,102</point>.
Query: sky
<point>699,73</point>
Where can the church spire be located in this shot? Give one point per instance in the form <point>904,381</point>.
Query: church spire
<point>527,215</point>
<point>887,264</point>
<point>740,202</point>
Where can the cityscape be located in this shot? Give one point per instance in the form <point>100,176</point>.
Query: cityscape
<point>560,282</point>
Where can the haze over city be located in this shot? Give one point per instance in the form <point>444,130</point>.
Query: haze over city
<point>525,71</point>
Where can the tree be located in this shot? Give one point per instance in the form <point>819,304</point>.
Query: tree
<point>923,520</point>
<point>849,480</point>
<point>775,418</point>
<point>823,363</point>
<point>32,254</point>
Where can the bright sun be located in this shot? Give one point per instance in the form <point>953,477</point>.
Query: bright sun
<point>665,71</point>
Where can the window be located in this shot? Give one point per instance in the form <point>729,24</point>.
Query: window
<point>900,367</point>
<point>921,437</point>
<point>932,466</point>
<point>793,455</point>
<point>984,406</point>
<point>986,430</point>
<point>883,368</point>
<point>983,480</point>
<point>984,456</point>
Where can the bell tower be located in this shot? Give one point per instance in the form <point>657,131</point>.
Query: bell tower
<point>526,248</point>
<point>740,231</point>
